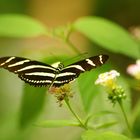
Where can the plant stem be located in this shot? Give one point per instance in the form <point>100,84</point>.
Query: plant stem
<point>125,117</point>
<point>68,42</point>
<point>76,116</point>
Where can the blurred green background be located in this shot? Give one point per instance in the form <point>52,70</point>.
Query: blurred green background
<point>54,13</point>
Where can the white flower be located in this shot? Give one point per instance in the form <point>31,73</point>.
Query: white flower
<point>134,70</point>
<point>107,78</point>
<point>115,91</point>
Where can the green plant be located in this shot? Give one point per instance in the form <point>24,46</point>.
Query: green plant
<point>98,115</point>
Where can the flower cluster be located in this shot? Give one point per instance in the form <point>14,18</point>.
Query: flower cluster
<point>108,80</point>
<point>134,70</point>
<point>135,31</point>
<point>61,92</point>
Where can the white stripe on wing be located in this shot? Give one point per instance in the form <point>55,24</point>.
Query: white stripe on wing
<point>100,58</point>
<point>18,63</point>
<point>41,74</point>
<point>65,74</point>
<point>75,66</point>
<point>90,62</point>
<point>8,60</point>
<point>35,66</point>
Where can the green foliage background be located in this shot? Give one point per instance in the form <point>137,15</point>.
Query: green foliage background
<point>28,113</point>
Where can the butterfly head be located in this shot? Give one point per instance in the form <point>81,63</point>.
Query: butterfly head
<point>58,65</point>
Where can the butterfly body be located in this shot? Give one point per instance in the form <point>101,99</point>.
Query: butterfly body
<point>40,74</point>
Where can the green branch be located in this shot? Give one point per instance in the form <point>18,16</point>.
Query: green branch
<point>72,46</point>
<point>76,116</point>
<point>125,117</point>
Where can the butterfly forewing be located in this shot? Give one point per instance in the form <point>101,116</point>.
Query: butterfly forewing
<point>89,63</point>
<point>32,72</point>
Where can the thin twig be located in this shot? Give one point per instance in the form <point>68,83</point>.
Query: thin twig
<point>76,116</point>
<point>72,46</point>
<point>125,117</point>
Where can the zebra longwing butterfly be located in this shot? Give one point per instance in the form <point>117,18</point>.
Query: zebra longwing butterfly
<point>40,74</point>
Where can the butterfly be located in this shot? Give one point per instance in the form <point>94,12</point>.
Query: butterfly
<point>40,74</point>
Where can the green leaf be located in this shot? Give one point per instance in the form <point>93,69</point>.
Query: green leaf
<point>101,114</point>
<point>20,26</point>
<point>136,126</point>
<point>88,90</point>
<point>107,125</point>
<point>109,35</point>
<point>32,104</point>
<point>57,123</point>
<point>93,135</point>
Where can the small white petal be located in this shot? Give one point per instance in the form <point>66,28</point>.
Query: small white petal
<point>107,76</point>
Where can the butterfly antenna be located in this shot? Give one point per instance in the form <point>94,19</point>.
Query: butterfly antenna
<point>83,55</point>
<point>57,58</point>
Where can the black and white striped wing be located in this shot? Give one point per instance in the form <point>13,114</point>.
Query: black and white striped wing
<point>72,71</point>
<point>33,72</point>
